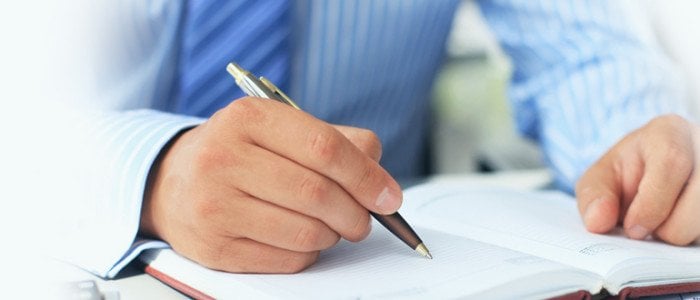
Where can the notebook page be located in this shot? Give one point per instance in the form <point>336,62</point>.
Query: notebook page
<point>545,224</point>
<point>381,267</point>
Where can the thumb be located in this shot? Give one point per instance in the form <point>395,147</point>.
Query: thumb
<point>598,194</point>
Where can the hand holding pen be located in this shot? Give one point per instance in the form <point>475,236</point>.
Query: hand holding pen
<point>263,88</point>
<point>262,187</point>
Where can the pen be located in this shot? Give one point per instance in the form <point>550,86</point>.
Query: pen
<point>263,88</point>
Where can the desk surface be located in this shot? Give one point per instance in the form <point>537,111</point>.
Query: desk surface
<point>135,285</point>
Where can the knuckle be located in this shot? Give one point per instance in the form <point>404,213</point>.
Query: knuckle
<point>662,123</point>
<point>309,237</point>
<point>584,195</point>
<point>667,120</point>
<point>582,188</point>
<point>673,140</point>
<point>325,146</point>
<point>241,115</point>
<point>678,155</point>
<point>359,229</point>
<point>372,137</point>
<point>371,144</point>
<point>297,262</point>
<point>653,212</point>
<point>246,107</point>
<point>370,175</point>
<point>313,189</point>
<point>209,158</point>
<point>204,208</point>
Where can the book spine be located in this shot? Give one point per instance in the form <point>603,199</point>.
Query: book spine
<point>659,290</point>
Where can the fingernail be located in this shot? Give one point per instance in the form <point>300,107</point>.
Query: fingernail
<point>387,202</point>
<point>590,212</point>
<point>638,232</point>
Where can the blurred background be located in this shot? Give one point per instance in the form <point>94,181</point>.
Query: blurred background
<point>474,130</point>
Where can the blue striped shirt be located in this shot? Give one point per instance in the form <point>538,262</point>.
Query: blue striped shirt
<point>585,73</point>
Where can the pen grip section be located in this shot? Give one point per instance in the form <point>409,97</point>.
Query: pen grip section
<point>398,226</point>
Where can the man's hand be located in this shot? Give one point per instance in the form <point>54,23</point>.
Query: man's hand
<point>647,182</point>
<point>262,188</point>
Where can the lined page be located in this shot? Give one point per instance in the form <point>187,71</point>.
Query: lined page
<point>382,267</point>
<point>545,224</point>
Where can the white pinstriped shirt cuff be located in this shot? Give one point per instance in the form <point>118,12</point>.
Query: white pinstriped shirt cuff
<point>132,140</point>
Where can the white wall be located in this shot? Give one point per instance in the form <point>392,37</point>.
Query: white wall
<point>677,25</point>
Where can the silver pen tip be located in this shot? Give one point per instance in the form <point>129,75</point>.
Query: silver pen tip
<point>236,71</point>
<point>423,250</point>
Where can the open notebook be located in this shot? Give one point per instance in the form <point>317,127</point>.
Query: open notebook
<point>486,242</point>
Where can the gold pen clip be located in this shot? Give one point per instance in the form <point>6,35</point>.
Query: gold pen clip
<point>279,92</point>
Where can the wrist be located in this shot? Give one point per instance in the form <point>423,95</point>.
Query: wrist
<point>148,226</point>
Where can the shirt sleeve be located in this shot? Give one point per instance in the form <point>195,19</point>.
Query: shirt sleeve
<point>100,221</point>
<point>94,186</point>
<point>585,74</point>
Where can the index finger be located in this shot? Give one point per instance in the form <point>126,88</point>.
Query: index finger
<point>318,146</point>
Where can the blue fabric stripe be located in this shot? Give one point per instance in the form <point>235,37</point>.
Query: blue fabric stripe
<point>210,22</point>
<point>248,32</point>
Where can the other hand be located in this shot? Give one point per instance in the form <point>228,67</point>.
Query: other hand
<point>262,188</point>
<point>648,183</point>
